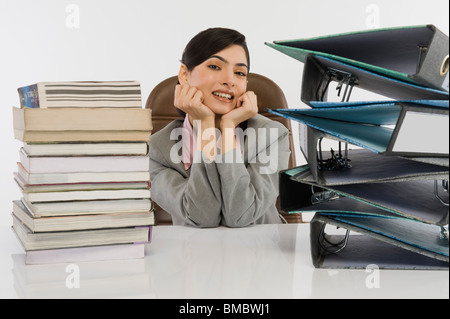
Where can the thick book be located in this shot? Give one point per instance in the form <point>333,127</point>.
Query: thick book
<point>82,221</point>
<point>81,119</point>
<point>80,164</point>
<point>37,188</point>
<point>123,94</point>
<point>415,54</point>
<point>81,136</point>
<point>76,177</point>
<point>89,149</point>
<point>90,207</point>
<point>79,238</point>
<point>57,196</point>
<point>85,254</point>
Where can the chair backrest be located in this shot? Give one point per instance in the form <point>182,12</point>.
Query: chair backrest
<point>269,96</point>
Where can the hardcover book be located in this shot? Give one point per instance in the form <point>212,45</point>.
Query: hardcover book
<point>79,238</point>
<point>126,94</point>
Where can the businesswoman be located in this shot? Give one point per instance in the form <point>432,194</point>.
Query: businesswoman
<point>220,165</point>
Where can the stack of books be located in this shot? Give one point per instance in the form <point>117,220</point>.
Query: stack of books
<point>83,172</point>
<point>385,178</point>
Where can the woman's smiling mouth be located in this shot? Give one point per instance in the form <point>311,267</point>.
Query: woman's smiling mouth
<point>223,95</point>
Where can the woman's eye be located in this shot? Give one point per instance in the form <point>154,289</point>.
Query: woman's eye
<point>214,67</point>
<point>241,74</point>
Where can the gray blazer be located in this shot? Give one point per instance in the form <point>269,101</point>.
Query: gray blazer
<point>232,190</point>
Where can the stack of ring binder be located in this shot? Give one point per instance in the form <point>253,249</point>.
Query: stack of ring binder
<point>384,180</point>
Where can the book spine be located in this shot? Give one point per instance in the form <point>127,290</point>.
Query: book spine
<point>149,240</point>
<point>29,96</point>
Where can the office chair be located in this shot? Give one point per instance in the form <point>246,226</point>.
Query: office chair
<point>269,95</point>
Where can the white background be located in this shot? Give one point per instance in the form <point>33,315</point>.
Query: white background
<point>49,40</point>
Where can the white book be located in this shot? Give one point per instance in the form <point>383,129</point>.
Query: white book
<point>88,207</point>
<point>83,163</point>
<point>84,254</point>
<point>87,195</point>
<point>81,221</point>
<point>27,188</point>
<point>85,177</point>
<point>70,149</point>
<point>79,238</point>
<point>82,94</point>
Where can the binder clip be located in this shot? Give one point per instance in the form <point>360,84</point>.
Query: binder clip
<point>323,196</point>
<point>342,78</point>
<point>336,161</point>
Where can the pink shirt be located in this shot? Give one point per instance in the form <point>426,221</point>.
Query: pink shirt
<point>189,145</point>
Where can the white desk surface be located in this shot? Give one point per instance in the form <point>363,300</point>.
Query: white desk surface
<point>266,261</point>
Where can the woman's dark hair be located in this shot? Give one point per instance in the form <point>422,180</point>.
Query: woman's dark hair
<point>210,41</point>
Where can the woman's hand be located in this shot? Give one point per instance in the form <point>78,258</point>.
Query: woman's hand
<point>247,107</point>
<point>190,100</point>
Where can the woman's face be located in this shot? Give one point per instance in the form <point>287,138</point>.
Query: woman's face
<point>222,79</point>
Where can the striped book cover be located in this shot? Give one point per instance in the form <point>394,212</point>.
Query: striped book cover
<point>81,94</point>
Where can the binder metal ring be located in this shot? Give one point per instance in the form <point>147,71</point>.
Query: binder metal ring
<point>343,243</point>
<point>436,191</point>
<point>444,66</point>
